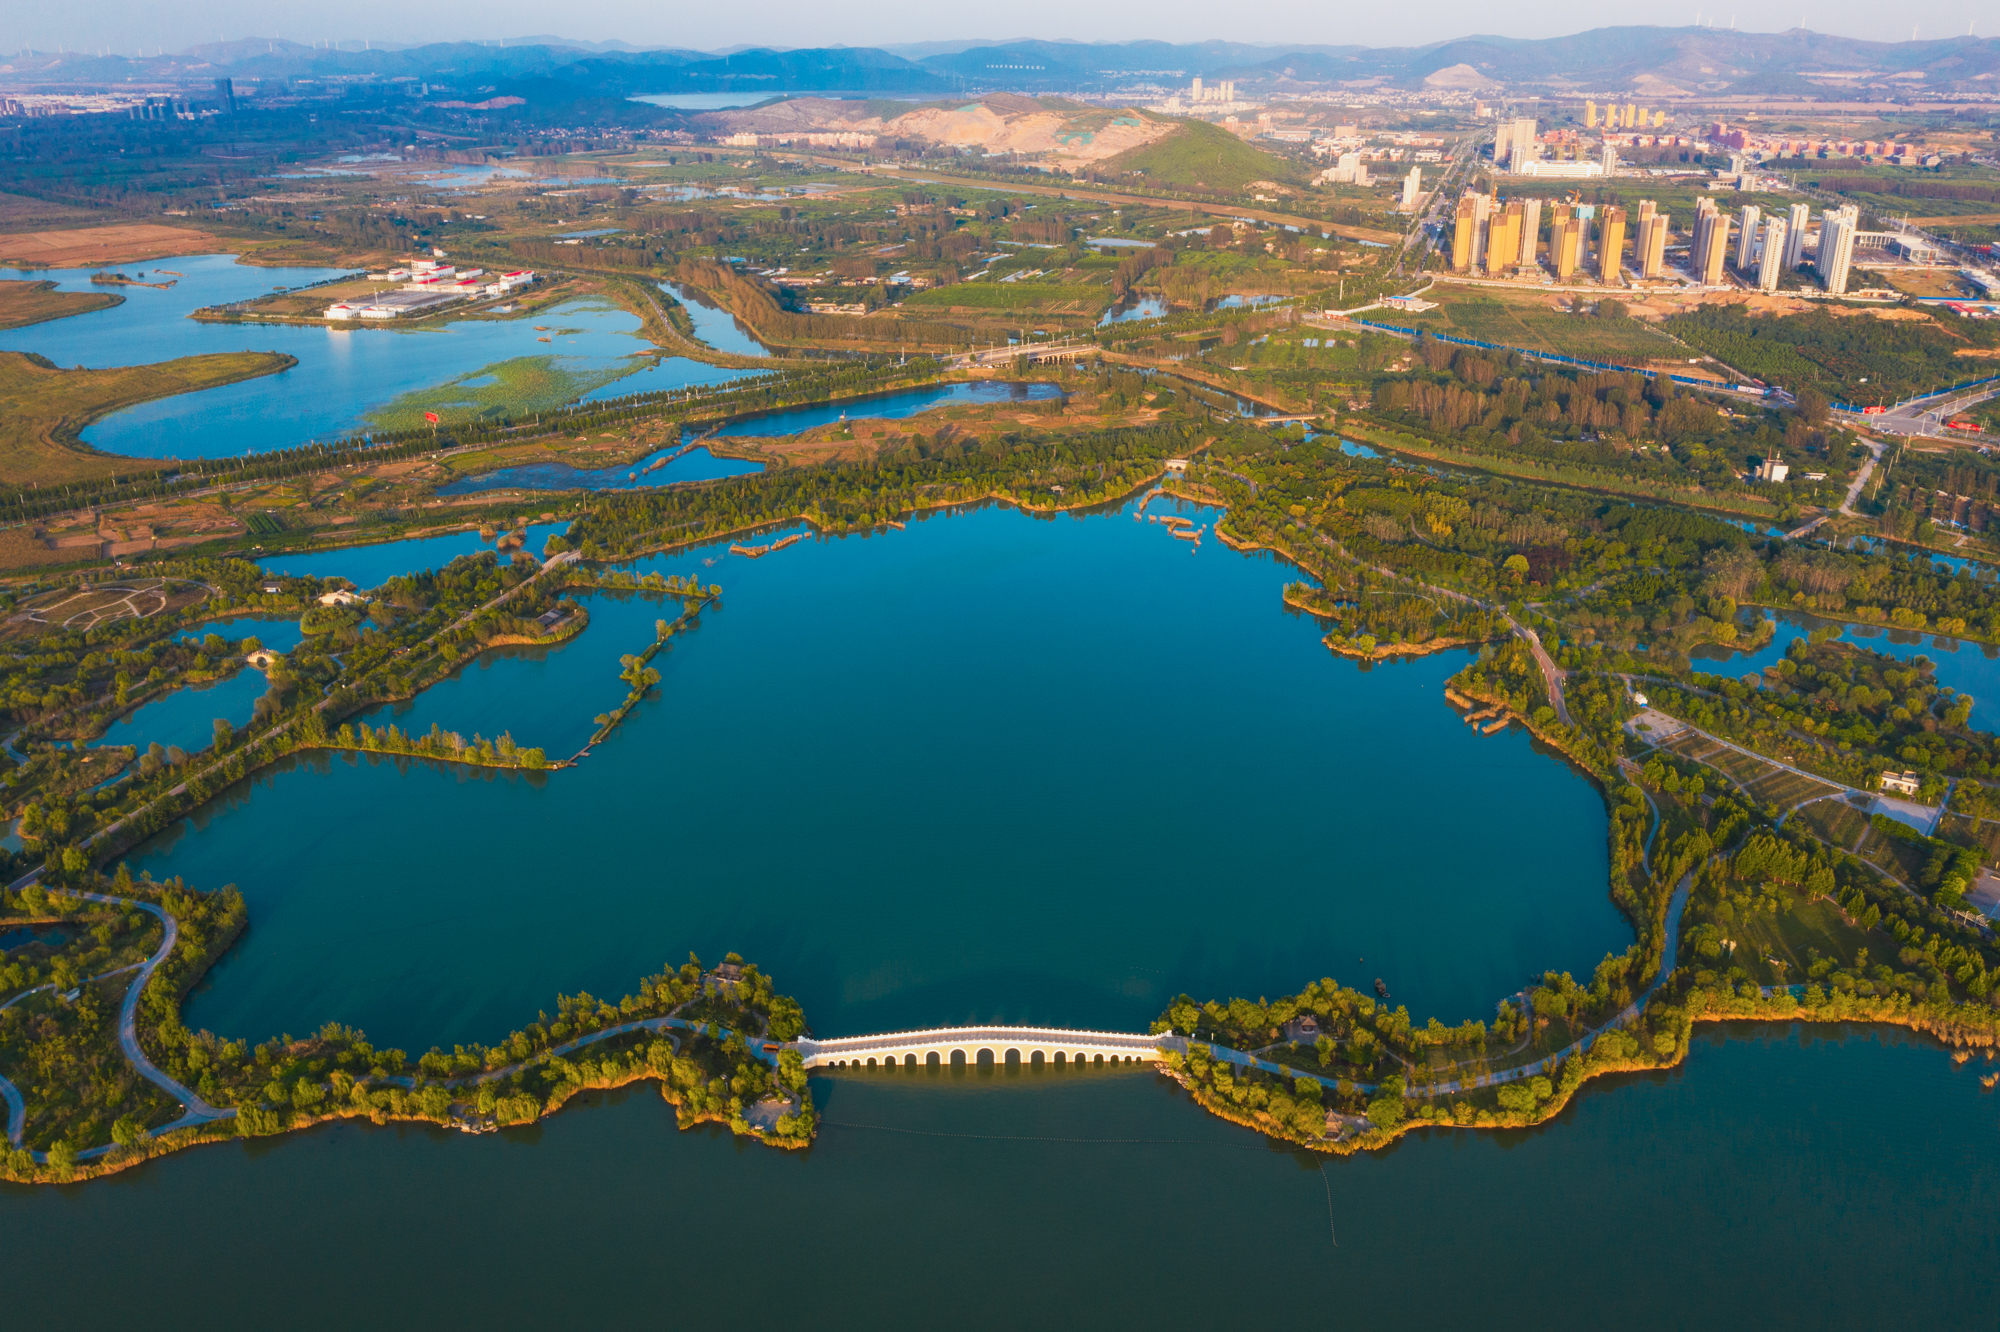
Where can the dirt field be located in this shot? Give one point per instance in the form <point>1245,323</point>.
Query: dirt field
<point>1660,306</point>
<point>101,245</point>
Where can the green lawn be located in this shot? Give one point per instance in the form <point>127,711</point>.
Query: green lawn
<point>1529,322</point>
<point>1790,935</point>
<point>1051,297</point>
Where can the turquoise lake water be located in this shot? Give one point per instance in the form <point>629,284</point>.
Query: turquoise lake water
<point>992,767</point>
<point>1970,668</point>
<point>343,374</point>
<point>694,465</point>
<point>996,767</point>
<point>1784,1178</point>
<point>372,566</point>
<point>901,404</point>
<point>187,716</point>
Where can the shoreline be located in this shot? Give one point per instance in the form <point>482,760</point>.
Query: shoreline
<point>1958,1025</point>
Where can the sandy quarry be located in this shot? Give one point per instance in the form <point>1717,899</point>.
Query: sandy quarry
<point>1001,123</point>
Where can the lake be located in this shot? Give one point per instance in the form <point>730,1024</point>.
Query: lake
<point>1783,1178</point>
<point>697,464</point>
<point>1125,311</point>
<point>372,566</point>
<point>988,768</point>
<point>187,716</point>
<point>345,378</point>
<point>996,768</point>
<point>891,406</point>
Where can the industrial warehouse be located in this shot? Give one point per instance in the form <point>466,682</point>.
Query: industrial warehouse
<point>428,285</point>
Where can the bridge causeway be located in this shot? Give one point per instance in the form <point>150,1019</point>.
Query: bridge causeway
<point>947,1045</point>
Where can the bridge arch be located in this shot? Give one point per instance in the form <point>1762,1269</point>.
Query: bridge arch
<point>970,1046</point>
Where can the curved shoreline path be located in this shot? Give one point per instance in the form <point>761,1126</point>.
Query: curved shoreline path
<point>198,1111</point>
<point>910,1046</point>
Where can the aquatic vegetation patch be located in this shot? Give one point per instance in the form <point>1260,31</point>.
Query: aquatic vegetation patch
<point>513,388</point>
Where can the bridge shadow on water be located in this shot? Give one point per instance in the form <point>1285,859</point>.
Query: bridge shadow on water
<point>984,1066</point>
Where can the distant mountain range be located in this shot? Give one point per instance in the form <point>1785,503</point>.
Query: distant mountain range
<point>1653,62</point>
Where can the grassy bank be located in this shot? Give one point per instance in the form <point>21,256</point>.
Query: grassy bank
<point>24,303</point>
<point>43,409</point>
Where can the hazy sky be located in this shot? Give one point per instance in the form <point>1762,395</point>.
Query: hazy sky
<point>129,25</point>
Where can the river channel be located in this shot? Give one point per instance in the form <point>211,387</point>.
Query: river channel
<point>346,380</point>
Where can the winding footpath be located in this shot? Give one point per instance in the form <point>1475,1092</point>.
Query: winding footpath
<point>1546,1064</point>
<point>198,1111</point>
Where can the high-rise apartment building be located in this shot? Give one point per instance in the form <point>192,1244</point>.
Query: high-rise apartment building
<point>1711,242</point>
<point>1465,222</point>
<point>1413,186</point>
<point>1629,122</point>
<point>1659,120</point>
<point>1482,209</point>
<point>1514,143</point>
<point>1649,249</point>
<point>1590,115</point>
<point>1503,239</point>
<point>1566,246</point>
<point>1609,161</point>
<point>1772,266</point>
<point>1610,244</point>
<point>1531,230</point>
<point>1836,247</point>
<point>1746,236</point>
<point>1795,235</point>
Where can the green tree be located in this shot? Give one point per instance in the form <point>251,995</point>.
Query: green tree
<point>62,1158</point>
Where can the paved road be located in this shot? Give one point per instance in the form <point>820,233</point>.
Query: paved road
<point>1875,447</point>
<point>1927,417</point>
<point>1552,674</point>
<point>17,1109</point>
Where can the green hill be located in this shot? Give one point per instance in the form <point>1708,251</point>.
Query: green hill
<point>1199,155</point>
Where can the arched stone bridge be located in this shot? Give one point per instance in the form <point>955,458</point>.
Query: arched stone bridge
<point>947,1045</point>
